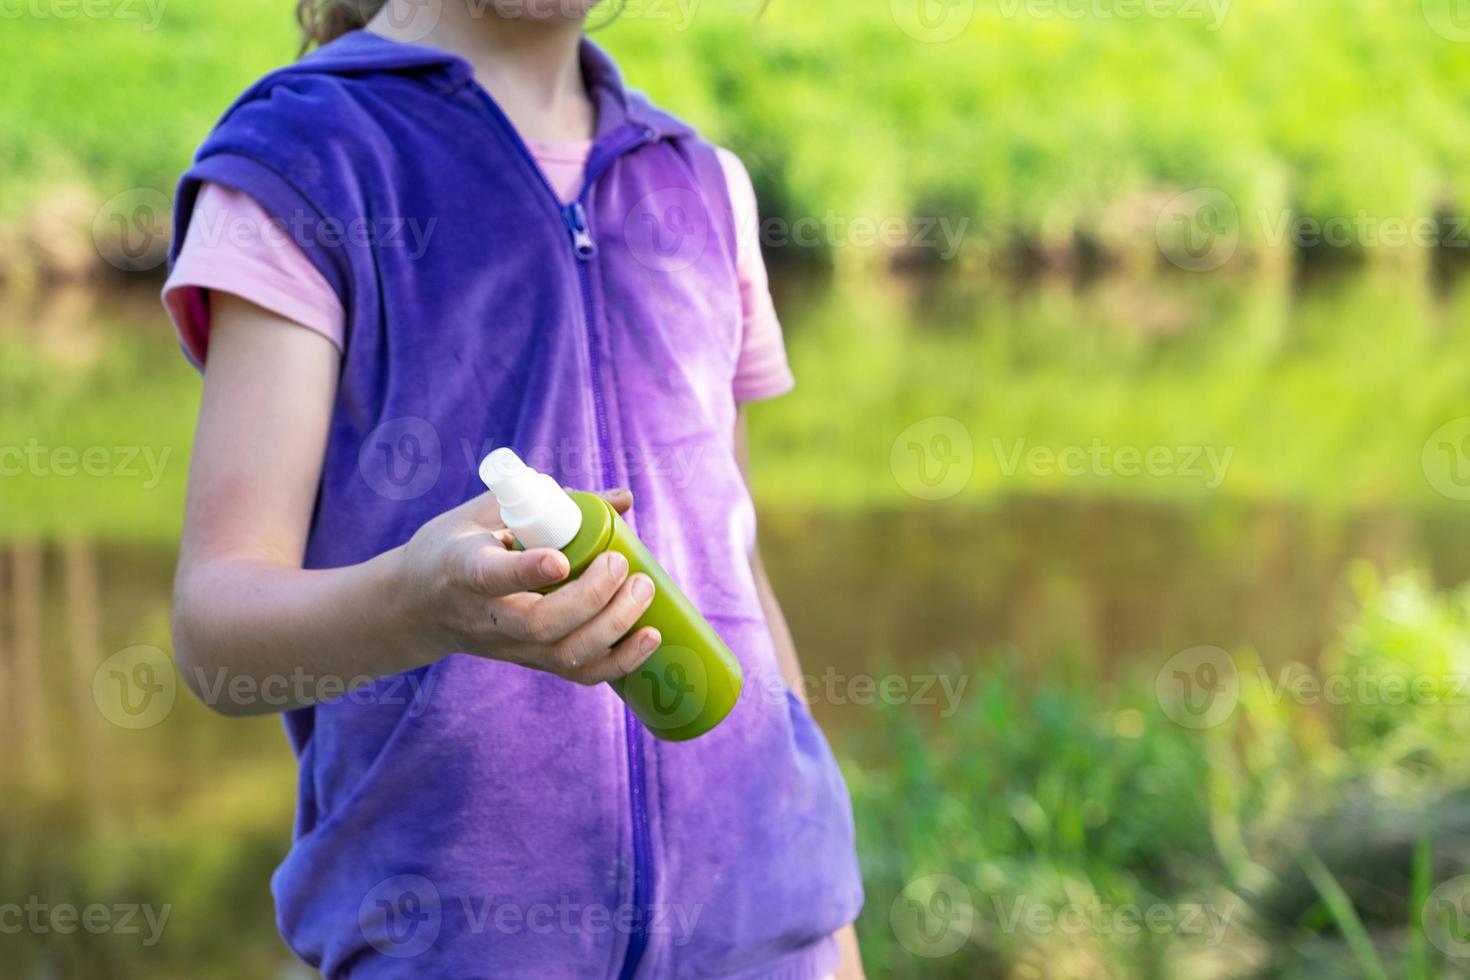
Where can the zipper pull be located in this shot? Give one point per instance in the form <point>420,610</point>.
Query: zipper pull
<point>576,218</point>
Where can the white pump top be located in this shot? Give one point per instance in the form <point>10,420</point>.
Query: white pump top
<point>532,505</point>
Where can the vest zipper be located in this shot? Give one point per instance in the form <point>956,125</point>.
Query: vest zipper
<point>576,218</point>
<point>584,249</point>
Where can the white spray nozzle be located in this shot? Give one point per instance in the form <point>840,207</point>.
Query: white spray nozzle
<point>532,505</point>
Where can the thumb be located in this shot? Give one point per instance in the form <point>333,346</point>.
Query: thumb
<point>496,571</point>
<point>621,498</point>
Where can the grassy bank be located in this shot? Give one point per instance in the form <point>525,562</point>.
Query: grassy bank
<point>1040,134</point>
<point>1065,828</point>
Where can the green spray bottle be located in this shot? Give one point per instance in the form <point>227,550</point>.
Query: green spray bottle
<point>689,684</point>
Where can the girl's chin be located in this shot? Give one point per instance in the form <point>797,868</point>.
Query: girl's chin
<point>549,11</point>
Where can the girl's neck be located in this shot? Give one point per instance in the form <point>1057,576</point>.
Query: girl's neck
<point>530,66</point>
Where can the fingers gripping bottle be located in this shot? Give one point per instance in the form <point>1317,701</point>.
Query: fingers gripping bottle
<point>690,683</point>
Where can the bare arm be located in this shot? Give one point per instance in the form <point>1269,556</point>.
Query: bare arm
<point>775,618</point>
<point>242,604</point>
<point>245,608</point>
<point>851,965</point>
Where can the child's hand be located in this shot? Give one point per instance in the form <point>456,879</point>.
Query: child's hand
<point>464,587</point>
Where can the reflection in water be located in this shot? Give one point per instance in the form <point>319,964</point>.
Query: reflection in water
<point>1325,392</point>
<point>1051,582</point>
<point>172,810</point>
<point>1058,571</point>
<point>1057,584</point>
<point>68,606</point>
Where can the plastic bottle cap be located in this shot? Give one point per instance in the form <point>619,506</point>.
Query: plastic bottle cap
<point>532,504</point>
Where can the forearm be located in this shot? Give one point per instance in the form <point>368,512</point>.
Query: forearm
<point>785,646</point>
<point>851,965</point>
<point>253,632</point>
<point>254,636</point>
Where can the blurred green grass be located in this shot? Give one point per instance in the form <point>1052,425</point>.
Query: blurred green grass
<point>1046,131</point>
<point>1082,796</point>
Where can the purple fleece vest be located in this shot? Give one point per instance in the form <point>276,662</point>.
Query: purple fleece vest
<point>477,819</point>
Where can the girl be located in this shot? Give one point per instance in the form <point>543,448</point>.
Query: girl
<point>451,228</point>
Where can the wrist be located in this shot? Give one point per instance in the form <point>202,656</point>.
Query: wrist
<point>410,618</point>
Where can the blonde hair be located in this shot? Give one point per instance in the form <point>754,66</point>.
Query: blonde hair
<point>326,20</point>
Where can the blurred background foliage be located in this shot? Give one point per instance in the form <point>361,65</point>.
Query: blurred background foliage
<point>1051,129</point>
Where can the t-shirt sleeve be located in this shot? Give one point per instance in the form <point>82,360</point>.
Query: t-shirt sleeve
<point>233,246</point>
<point>762,370</point>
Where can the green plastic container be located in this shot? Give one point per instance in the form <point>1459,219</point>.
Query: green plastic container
<point>692,681</point>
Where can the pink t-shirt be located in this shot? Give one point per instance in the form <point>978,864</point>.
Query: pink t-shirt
<point>233,246</point>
